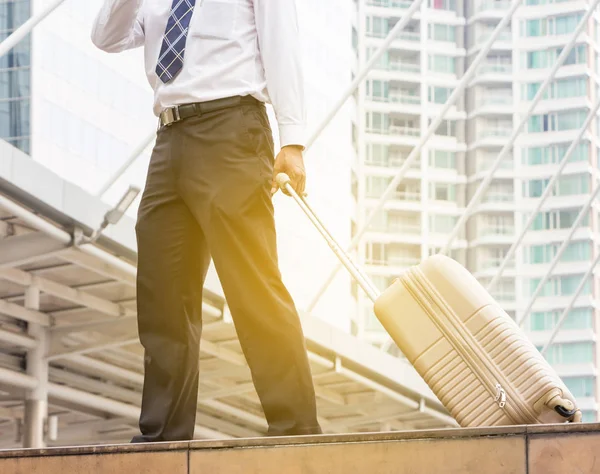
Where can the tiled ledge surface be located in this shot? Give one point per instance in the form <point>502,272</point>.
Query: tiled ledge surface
<point>538,449</point>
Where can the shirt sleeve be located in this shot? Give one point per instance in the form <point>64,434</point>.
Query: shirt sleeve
<point>119,26</point>
<point>280,49</point>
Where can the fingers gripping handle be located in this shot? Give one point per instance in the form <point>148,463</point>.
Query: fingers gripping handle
<point>284,183</point>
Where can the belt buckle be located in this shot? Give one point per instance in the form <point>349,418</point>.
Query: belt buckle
<point>170,116</point>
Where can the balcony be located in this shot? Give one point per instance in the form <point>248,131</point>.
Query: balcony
<point>389,3</point>
<point>396,98</point>
<point>489,99</point>
<point>487,6</point>
<point>488,231</point>
<point>495,68</point>
<point>498,197</point>
<point>393,261</point>
<point>504,296</point>
<point>484,164</point>
<point>495,133</point>
<point>399,130</point>
<point>394,160</point>
<point>403,66</point>
<point>397,226</point>
<point>503,36</point>
<point>493,263</point>
<point>412,196</point>
<point>403,35</point>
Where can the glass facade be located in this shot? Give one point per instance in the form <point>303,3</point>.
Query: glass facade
<point>15,77</point>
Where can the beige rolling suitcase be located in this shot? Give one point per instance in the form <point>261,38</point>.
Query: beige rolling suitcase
<point>473,356</point>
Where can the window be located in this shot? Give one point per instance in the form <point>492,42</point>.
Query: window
<point>546,58</point>
<point>588,416</point>
<point>565,285</point>
<point>377,154</point>
<point>560,89</point>
<point>439,32</point>
<point>439,95</point>
<point>580,318</point>
<point>554,154</point>
<point>447,128</point>
<point>377,90</point>
<point>439,223</point>
<point>558,25</point>
<point>568,120</point>
<point>557,220</point>
<point>15,78</point>
<point>442,192</point>
<point>377,26</point>
<point>449,5</point>
<point>377,122</point>
<point>571,353</point>
<point>442,64</point>
<point>442,159</point>
<point>566,186</point>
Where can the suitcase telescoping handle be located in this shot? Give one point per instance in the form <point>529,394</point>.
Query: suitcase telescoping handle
<point>284,183</point>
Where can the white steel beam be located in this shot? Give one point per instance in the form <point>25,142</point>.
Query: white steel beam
<point>582,214</point>
<point>17,339</point>
<point>24,248</point>
<point>93,347</point>
<point>24,314</point>
<point>415,152</point>
<point>65,292</point>
<point>114,407</point>
<point>27,27</point>
<point>545,195</point>
<point>517,130</point>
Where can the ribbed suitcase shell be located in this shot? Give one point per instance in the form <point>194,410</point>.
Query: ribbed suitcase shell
<point>468,350</point>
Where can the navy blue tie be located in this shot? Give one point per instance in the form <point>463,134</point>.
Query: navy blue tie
<point>170,60</point>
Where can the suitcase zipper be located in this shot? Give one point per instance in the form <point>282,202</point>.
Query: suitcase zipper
<point>500,396</point>
<point>415,280</point>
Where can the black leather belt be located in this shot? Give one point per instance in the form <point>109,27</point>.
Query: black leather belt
<point>177,113</point>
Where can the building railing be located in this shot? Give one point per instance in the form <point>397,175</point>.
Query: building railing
<point>498,197</point>
<point>395,130</point>
<point>494,263</point>
<point>393,261</point>
<point>403,66</point>
<point>493,5</point>
<point>495,132</point>
<point>495,100</point>
<point>389,3</point>
<point>496,230</point>
<point>412,196</point>
<point>396,99</point>
<point>392,161</point>
<point>495,68</point>
<point>484,164</point>
<point>504,36</point>
<point>405,35</point>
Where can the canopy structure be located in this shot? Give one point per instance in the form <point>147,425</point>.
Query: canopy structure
<point>68,335</point>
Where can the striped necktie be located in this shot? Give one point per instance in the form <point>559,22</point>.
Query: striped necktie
<point>170,60</point>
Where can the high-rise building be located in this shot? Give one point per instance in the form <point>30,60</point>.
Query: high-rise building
<point>402,95</point>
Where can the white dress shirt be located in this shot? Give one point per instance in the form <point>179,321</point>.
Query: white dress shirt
<point>233,47</point>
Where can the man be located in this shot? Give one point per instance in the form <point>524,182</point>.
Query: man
<point>212,65</point>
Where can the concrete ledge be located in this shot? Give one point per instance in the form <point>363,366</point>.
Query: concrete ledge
<point>537,449</point>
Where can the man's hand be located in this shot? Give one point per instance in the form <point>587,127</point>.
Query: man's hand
<point>290,161</point>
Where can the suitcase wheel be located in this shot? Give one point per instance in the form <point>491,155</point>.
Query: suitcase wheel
<point>562,411</point>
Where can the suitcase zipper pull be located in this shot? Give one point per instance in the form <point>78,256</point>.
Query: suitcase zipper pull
<point>500,396</point>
